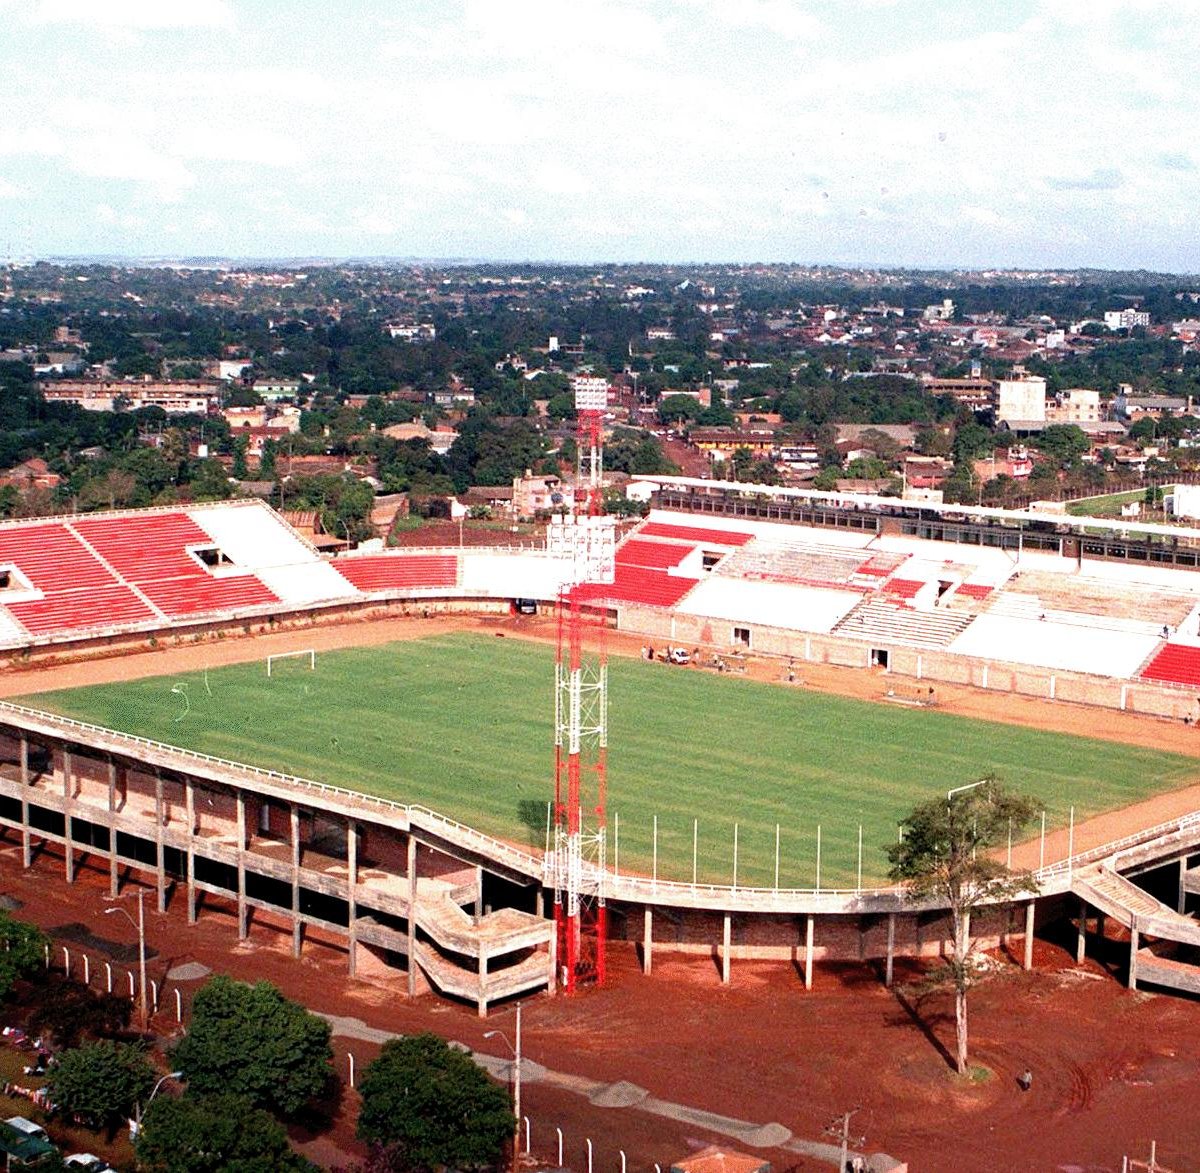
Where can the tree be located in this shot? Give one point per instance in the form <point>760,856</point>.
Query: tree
<point>195,1134</point>
<point>943,857</point>
<point>433,1105</point>
<point>102,1082</point>
<point>676,409</point>
<point>249,1040</point>
<point>22,951</point>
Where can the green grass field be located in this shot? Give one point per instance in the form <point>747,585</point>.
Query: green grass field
<point>463,724</point>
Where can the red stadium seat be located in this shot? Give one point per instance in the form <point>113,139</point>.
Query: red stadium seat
<point>694,534</point>
<point>652,555</point>
<point>52,558</point>
<point>103,606</point>
<point>384,572</point>
<point>1175,664</point>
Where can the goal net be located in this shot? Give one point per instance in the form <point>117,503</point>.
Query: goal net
<point>309,653</point>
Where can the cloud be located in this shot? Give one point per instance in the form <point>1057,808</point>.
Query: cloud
<point>1176,161</point>
<point>10,191</point>
<point>135,14</point>
<point>1099,179</point>
<point>781,18</point>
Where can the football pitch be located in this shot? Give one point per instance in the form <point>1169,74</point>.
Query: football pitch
<point>463,724</point>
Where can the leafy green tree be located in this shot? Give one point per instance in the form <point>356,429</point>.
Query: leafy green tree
<point>199,1134</point>
<point>676,409</point>
<point>101,1082</point>
<point>1063,443</point>
<point>22,951</point>
<point>250,1040</point>
<point>433,1105</point>
<point>240,468</point>
<point>944,856</point>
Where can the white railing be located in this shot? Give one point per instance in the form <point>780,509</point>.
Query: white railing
<point>639,889</point>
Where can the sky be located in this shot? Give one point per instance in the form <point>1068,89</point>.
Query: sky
<point>927,133</point>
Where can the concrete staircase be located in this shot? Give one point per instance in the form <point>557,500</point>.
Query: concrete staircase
<point>882,622</point>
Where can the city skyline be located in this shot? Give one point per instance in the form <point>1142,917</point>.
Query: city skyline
<point>1045,135</point>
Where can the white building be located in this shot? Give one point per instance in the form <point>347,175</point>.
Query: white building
<point>1021,400</point>
<point>1125,319</point>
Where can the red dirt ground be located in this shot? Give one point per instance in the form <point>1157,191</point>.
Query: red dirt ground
<point>1113,1070</point>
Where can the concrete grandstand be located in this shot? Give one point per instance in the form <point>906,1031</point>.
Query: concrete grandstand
<point>870,583</point>
<point>1044,609</point>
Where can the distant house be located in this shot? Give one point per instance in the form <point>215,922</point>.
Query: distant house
<point>31,474</point>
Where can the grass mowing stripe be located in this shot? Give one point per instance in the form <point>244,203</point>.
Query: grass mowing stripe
<point>463,724</point>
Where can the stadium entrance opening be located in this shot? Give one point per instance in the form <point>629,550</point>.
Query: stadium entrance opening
<point>879,657</point>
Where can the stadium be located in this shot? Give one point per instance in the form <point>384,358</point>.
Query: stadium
<point>392,802</point>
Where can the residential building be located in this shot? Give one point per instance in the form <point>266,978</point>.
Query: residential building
<point>1126,319</point>
<point>183,397</point>
<point>1021,400</point>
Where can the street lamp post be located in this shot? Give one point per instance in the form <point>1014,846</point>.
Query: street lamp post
<point>150,1097</point>
<point>140,925</point>
<point>516,1050</point>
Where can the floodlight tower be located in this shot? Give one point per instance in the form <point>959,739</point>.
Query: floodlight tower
<point>586,540</point>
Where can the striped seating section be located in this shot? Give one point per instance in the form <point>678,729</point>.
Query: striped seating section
<point>199,594</point>
<point>902,588</point>
<point>1175,664</point>
<point>143,549</point>
<point>399,571</point>
<point>103,606</point>
<point>696,534</point>
<point>637,584</point>
<point>975,590</point>
<point>653,555</point>
<point>52,557</point>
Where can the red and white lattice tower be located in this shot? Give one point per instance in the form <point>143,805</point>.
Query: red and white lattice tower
<point>585,540</point>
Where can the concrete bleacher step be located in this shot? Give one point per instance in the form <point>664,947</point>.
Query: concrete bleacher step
<point>1017,605</point>
<point>879,621</point>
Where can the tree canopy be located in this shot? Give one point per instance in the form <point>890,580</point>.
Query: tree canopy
<point>22,951</point>
<point>431,1104</point>
<point>101,1082</point>
<point>944,856</point>
<point>250,1040</point>
<point>197,1134</point>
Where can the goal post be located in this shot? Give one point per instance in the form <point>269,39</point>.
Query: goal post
<point>311,653</point>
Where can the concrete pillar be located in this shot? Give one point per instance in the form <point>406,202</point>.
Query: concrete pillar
<point>808,952</point>
<point>481,1002</point>
<point>412,915</point>
<point>297,927</point>
<point>241,865</point>
<point>69,843</point>
<point>478,892</point>
<point>26,846</point>
<point>552,982</point>
<point>352,896</point>
<point>1134,936</point>
<point>1081,935</point>
<point>1029,915</point>
<point>1100,921</point>
<point>114,881</point>
<point>888,967</point>
<point>647,940</point>
<point>539,903</point>
<point>160,867</point>
<point>189,796</point>
<point>1181,905</point>
<point>725,935</point>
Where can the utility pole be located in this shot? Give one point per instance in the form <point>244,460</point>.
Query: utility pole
<point>839,1128</point>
